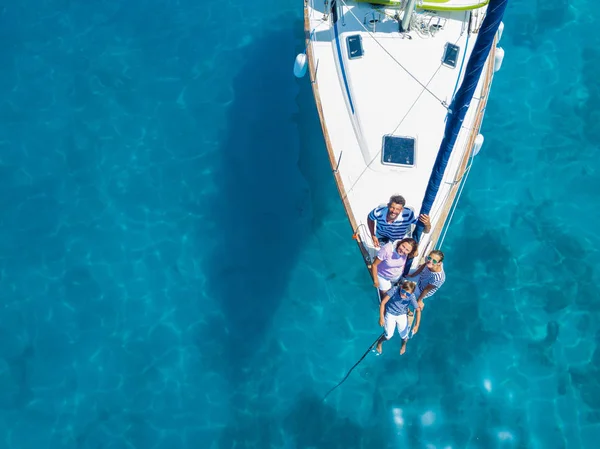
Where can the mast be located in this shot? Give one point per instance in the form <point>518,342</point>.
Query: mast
<point>408,12</point>
<point>462,100</point>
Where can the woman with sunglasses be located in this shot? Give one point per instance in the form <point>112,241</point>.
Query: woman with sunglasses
<point>388,266</point>
<point>430,276</point>
<point>393,312</point>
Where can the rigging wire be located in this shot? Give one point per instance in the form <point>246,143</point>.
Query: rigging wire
<point>464,182</point>
<point>424,86</point>
<point>440,204</point>
<point>370,33</point>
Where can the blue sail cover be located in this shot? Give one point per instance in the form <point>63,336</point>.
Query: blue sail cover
<point>461,101</point>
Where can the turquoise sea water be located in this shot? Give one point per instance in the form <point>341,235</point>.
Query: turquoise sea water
<point>176,270</point>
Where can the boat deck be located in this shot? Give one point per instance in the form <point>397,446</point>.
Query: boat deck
<point>398,87</point>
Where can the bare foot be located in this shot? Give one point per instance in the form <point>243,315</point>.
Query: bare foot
<point>379,349</point>
<point>403,348</point>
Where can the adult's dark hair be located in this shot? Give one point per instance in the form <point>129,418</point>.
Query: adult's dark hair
<point>398,199</point>
<point>415,247</point>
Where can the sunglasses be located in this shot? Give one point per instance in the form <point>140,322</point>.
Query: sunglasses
<point>433,261</point>
<point>405,292</point>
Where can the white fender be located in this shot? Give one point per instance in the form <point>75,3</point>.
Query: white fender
<point>300,65</point>
<point>478,144</point>
<point>498,58</point>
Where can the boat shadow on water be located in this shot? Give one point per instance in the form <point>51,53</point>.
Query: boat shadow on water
<point>275,183</point>
<point>268,199</point>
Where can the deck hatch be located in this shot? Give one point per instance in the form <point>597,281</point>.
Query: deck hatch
<point>450,55</point>
<point>399,151</point>
<point>355,48</point>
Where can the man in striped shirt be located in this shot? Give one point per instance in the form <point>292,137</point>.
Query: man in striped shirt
<point>393,221</point>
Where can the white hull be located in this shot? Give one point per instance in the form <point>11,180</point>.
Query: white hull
<point>398,87</point>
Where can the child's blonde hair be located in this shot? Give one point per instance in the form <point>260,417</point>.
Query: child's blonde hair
<point>409,286</point>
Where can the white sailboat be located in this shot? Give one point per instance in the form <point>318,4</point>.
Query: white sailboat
<point>385,76</point>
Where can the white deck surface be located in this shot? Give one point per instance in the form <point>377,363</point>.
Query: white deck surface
<point>388,100</point>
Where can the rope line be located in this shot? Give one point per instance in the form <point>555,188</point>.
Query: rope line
<point>312,33</point>
<point>355,365</point>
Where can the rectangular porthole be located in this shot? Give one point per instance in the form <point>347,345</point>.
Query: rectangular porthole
<point>399,151</point>
<point>355,48</point>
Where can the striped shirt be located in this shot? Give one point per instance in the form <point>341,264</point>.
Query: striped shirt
<point>428,277</point>
<point>396,229</point>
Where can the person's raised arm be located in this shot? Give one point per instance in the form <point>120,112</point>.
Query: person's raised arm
<point>421,297</point>
<point>415,328</point>
<point>424,218</point>
<point>371,226</point>
<point>417,272</point>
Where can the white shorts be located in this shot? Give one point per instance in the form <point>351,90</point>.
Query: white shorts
<point>391,321</point>
<point>386,284</point>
